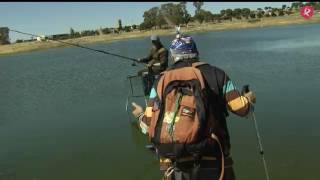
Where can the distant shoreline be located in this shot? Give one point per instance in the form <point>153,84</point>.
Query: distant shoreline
<point>205,27</point>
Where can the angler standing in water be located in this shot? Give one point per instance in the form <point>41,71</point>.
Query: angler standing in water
<point>185,118</point>
<point>157,61</point>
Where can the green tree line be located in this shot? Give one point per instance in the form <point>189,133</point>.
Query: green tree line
<point>171,14</point>
<point>176,14</point>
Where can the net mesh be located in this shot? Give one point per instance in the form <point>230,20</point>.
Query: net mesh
<point>135,86</point>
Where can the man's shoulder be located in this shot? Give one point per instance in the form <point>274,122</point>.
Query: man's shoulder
<point>211,68</point>
<point>153,49</point>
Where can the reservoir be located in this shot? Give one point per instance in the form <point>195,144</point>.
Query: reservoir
<point>62,110</point>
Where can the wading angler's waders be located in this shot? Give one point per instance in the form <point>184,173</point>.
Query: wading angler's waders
<point>245,89</point>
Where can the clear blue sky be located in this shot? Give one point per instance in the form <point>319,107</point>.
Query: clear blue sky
<point>57,17</point>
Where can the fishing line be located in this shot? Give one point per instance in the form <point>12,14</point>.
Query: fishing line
<point>84,47</point>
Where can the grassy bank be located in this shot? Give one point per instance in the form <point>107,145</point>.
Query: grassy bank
<point>265,22</point>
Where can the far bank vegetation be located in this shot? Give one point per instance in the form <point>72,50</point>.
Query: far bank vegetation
<point>171,14</point>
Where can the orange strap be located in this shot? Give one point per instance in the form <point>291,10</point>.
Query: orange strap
<point>222,155</point>
<point>168,173</point>
<point>170,170</point>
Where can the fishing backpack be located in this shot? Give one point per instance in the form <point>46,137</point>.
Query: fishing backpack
<point>182,117</point>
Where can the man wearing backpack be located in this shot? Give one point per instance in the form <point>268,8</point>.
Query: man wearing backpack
<point>185,117</point>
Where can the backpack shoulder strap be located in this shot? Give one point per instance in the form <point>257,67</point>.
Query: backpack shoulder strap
<point>210,75</point>
<point>160,85</point>
<point>214,78</point>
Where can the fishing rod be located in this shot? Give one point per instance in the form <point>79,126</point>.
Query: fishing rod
<point>245,89</point>
<point>84,47</point>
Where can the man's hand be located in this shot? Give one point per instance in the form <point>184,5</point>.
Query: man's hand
<point>251,96</point>
<point>141,60</point>
<point>137,109</point>
<point>149,65</point>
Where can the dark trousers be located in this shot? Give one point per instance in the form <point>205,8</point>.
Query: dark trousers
<point>147,81</point>
<point>142,71</point>
<point>198,173</point>
<point>148,77</point>
<point>205,170</point>
<point>154,70</point>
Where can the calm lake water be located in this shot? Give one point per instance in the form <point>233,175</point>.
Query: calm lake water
<point>62,111</point>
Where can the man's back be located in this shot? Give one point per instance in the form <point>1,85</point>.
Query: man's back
<point>223,97</point>
<point>211,83</point>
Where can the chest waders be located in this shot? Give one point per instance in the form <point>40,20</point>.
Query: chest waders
<point>152,72</point>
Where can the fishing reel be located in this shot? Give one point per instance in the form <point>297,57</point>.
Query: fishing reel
<point>245,89</point>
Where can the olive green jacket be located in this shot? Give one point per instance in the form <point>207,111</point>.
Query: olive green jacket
<point>157,57</point>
